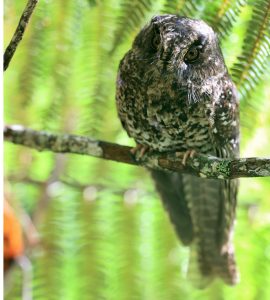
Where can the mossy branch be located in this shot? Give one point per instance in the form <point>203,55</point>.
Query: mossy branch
<point>18,34</point>
<point>200,165</point>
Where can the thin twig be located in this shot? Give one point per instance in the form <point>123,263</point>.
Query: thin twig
<point>200,165</point>
<point>18,34</point>
<point>27,277</point>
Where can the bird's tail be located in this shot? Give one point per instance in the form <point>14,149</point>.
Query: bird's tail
<point>203,269</point>
<point>203,213</point>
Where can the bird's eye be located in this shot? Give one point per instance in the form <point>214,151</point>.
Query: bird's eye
<point>155,41</point>
<point>193,54</point>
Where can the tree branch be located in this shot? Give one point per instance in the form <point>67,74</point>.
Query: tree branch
<point>18,34</point>
<point>200,165</point>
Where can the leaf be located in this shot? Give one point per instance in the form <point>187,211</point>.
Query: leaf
<point>222,15</point>
<point>251,64</point>
<point>173,6</point>
<point>131,16</point>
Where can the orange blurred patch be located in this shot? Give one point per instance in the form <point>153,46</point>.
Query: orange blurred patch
<point>13,236</point>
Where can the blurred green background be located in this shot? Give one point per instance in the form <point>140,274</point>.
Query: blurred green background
<point>104,233</point>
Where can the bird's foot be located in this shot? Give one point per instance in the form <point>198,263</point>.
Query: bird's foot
<point>188,154</point>
<point>139,151</point>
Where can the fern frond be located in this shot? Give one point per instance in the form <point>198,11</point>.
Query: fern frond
<point>57,114</point>
<point>222,15</point>
<point>92,3</point>
<point>26,75</point>
<point>172,6</point>
<point>247,71</point>
<point>193,9</point>
<point>41,62</point>
<point>100,66</point>
<point>58,266</point>
<point>131,16</point>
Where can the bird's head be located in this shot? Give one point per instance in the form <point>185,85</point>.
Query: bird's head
<point>181,48</point>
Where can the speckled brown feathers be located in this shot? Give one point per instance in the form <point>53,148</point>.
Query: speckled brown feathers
<point>174,94</point>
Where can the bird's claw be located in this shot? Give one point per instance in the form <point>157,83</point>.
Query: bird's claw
<point>188,154</point>
<point>139,151</point>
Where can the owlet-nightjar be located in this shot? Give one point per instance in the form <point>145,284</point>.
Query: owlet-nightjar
<point>174,94</point>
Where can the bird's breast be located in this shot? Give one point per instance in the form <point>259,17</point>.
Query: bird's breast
<point>168,127</point>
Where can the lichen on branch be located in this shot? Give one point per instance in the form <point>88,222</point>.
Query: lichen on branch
<point>205,166</point>
<point>18,34</point>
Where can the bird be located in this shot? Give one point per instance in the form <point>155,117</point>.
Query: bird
<point>174,93</point>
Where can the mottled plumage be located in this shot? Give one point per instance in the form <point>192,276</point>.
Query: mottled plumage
<point>174,94</point>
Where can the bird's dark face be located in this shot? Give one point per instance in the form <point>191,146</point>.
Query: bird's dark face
<point>184,49</point>
<point>173,81</point>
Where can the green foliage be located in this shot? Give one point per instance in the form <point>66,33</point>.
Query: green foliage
<point>251,64</point>
<point>131,16</point>
<point>222,17</point>
<point>104,232</point>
